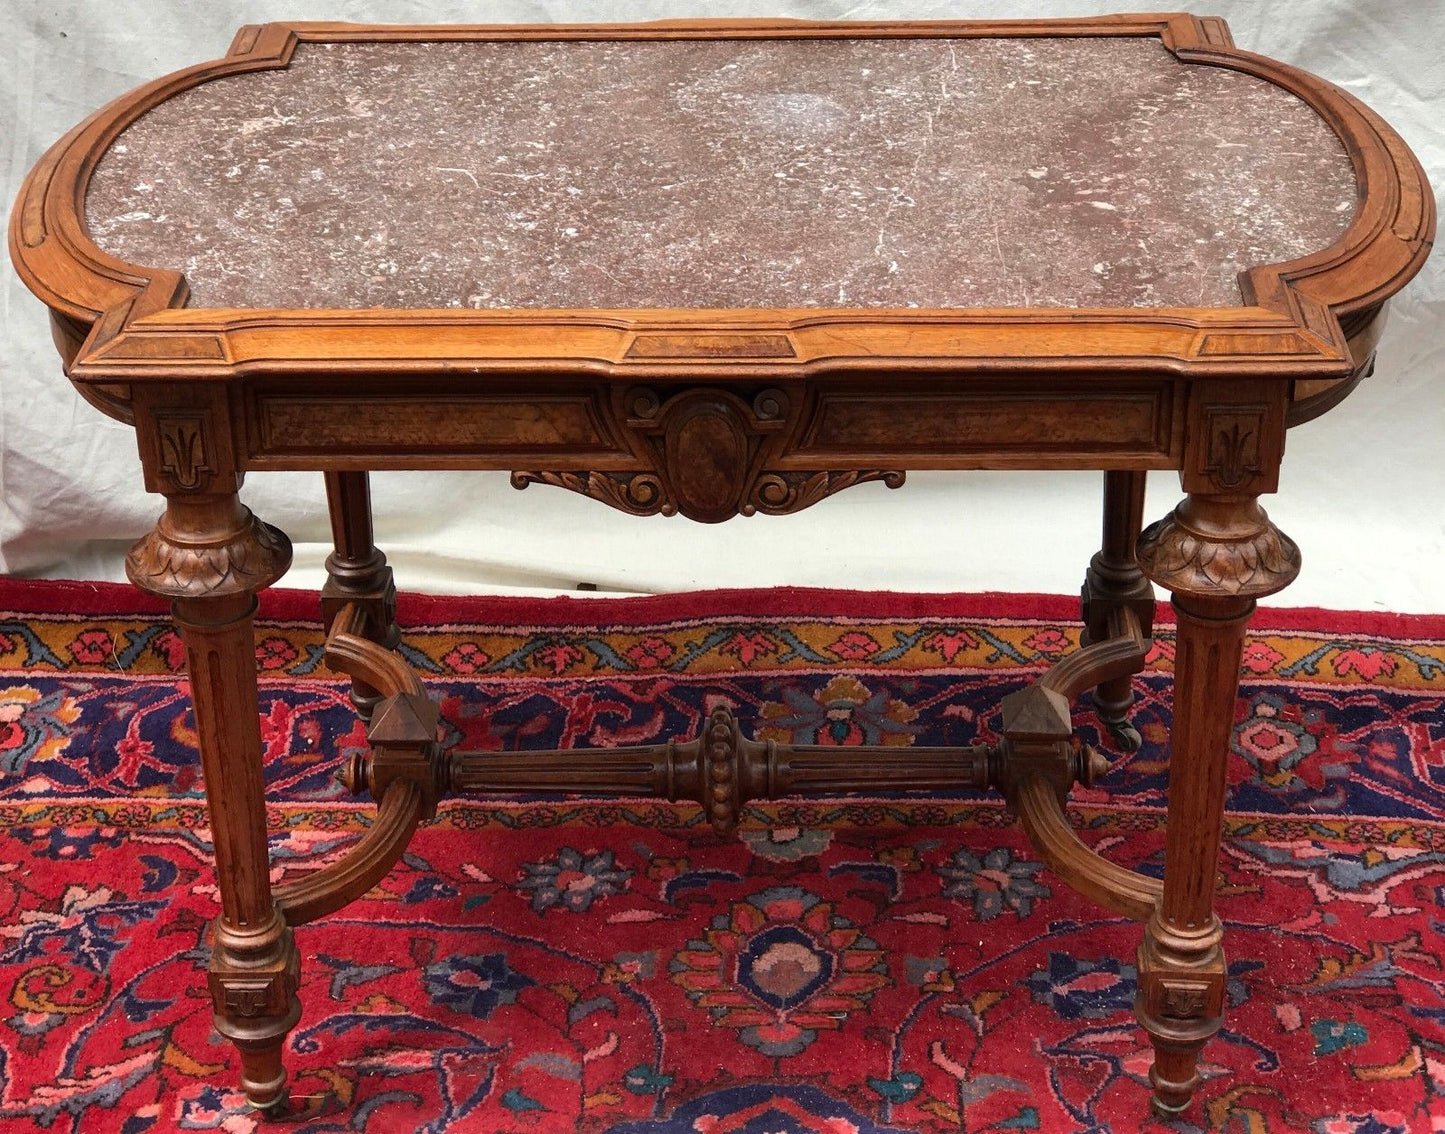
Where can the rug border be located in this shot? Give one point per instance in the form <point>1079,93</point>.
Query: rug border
<point>91,598</point>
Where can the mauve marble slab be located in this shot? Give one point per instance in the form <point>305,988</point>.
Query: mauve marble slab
<point>724,173</point>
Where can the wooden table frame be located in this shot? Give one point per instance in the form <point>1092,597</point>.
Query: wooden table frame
<point>787,407</point>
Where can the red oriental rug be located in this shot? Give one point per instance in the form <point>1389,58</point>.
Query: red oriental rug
<point>851,967</point>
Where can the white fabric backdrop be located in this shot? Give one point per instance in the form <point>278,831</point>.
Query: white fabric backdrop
<point>1363,490</point>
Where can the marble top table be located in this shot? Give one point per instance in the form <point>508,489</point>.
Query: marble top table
<point>724,173</point>
<point>719,268</point>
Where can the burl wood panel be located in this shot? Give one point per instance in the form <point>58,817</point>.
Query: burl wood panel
<point>1046,428</point>
<point>516,426</point>
<point>786,173</point>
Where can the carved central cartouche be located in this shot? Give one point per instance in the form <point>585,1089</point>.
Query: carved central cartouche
<point>706,454</point>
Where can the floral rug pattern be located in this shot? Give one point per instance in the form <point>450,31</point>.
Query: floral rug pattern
<point>869,965</point>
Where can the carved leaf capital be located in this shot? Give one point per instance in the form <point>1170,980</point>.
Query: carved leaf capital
<point>1220,547</point>
<point>243,561</point>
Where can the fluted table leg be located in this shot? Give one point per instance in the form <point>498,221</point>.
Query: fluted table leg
<point>1216,554</point>
<point>210,556</point>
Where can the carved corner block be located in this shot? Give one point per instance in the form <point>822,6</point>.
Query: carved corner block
<point>1036,714</point>
<point>185,442</point>
<point>1234,438</point>
<point>374,596</point>
<point>252,981</point>
<point>404,746</point>
<point>1099,597</point>
<point>1037,743</point>
<point>1180,998</point>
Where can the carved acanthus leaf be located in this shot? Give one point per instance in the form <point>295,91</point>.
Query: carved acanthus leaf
<point>641,494</point>
<point>775,494</point>
<point>1186,556</point>
<point>247,561</point>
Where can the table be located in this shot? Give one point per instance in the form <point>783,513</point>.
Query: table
<point>719,268</point>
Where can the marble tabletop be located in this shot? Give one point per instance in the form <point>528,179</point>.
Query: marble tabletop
<point>763,173</point>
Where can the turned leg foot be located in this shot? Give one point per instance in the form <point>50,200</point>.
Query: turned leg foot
<point>254,974</point>
<point>254,969</point>
<point>263,1076</point>
<point>1113,581</point>
<point>1180,1003</point>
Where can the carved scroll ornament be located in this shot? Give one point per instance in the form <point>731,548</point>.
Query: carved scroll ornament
<point>641,494</point>
<point>646,494</point>
<point>706,453</point>
<point>775,494</point>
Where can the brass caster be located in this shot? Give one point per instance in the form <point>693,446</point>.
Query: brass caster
<point>1124,735</point>
<point>1167,1112</point>
<point>277,1110</point>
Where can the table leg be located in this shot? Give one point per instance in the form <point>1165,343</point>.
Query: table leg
<point>358,572</point>
<point>210,556</point>
<point>1216,554</point>
<point>1114,580</point>
<point>254,967</point>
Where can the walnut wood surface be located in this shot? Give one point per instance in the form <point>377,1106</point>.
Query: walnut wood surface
<point>1182,974</point>
<point>333,887</point>
<point>357,574</point>
<point>1052,836</point>
<point>712,413</point>
<point>254,967</point>
<point>1112,582</point>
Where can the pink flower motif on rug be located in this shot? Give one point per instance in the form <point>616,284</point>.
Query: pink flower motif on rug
<point>92,647</point>
<point>747,648</point>
<point>1367,662</point>
<point>467,657</point>
<point>780,967</point>
<point>1260,657</point>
